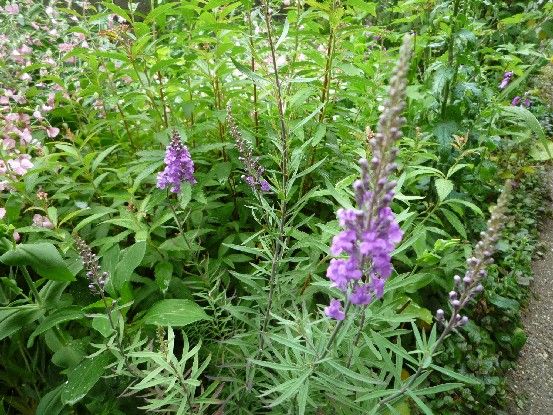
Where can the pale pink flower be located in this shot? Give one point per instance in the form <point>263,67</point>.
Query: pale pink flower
<point>21,164</point>
<point>26,77</point>
<point>38,115</point>
<point>12,117</point>
<point>8,144</point>
<point>3,167</point>
<point>16,236</point>
<point>42,221</point>
<point>20,99</point>
<point>12,9</point>
<point>2,213</point>
<point>4,100</point>
<point>25,136</point>
<point>52,132</point>
<point>4,185</point>
<point>25,50</point>
<point>66,47</point>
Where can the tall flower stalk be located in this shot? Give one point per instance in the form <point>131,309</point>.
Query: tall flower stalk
<point>280,241</point>
<point>370,231</point>
<point>254,170</point>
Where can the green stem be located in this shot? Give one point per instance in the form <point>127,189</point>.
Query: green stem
<point>332,338</point>
<point>31,284</point>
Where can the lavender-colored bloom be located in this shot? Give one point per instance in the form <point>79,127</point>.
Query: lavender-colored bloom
<point>179,166</point>
<point>506,79</point>
<point>254,177</point>
<point>370,231</point>
<point>516,101</point>
<point>527,103</point>
<point>361,295</point>
<point>335,310</point>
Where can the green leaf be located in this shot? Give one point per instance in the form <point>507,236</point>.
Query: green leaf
<point>102,156</point>
<point>83,377</point>
<point>163,273</point>
<point>43,257</point>
<point>59,316</point>
<point>14,319</point>
<point>432,390</point>
<point>455,222</point>
<point>455,375</point>
<point>50,404</point>
<point>420,403</point>
<point>174,313</point>
<point>365,6</point>
<point>258,80</point>
<point>443,187</point>
<point>130,260</point>
<point>520,115</point>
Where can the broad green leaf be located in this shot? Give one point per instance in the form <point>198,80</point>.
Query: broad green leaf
<point>130,260</point>
<point>175,313</point>
<point>443,187</point>
<point>43,257</point>
<point>83,377</point>
<point>163,273</point>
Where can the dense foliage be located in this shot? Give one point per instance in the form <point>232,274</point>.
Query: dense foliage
<point>239,207</point>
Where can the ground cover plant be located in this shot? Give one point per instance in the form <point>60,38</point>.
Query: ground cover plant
<point>285,207</point>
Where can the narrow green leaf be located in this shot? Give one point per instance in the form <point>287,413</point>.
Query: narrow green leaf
<point>57,317</point>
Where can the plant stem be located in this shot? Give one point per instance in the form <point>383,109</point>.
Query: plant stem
<point>179,224</point>
<point>31,284</point>
<point>280,241</point>
<point>337,328</point>
<point>450,56</point>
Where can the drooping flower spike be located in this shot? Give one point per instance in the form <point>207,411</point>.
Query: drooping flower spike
<point>370,231</point>
<point>179,166</point>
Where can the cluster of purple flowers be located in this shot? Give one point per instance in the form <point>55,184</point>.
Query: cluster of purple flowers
<point>370,231</point>
<point>254,177</point>
<point>507,76</point>
<point>179,166</point>
<point>469,286</point>
<point>527,103</point>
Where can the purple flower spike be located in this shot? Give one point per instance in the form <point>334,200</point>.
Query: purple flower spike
<point>179,166</point>
<point>370,231</point>
<point>335,310</point>
<point>516,101</point>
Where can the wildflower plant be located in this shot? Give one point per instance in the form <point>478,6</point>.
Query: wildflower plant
<point>203,298</point>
